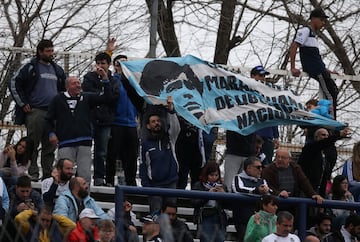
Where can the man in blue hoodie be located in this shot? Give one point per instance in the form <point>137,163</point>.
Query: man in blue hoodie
<point>159,167</point>
<point>123,133</point>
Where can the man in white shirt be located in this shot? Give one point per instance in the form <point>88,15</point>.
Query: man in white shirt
<point>284,225</point>
<point>54,186</point>
<point>350,231</point>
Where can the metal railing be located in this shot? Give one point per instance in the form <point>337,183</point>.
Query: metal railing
<point>300,203</point>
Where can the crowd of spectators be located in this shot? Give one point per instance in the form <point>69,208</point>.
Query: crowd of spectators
<point>68,114</point>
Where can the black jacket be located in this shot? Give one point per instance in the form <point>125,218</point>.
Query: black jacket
<point>102,114</point>
<point>73,128</point>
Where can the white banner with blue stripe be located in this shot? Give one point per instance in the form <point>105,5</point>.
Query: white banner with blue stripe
<point>207,95</point>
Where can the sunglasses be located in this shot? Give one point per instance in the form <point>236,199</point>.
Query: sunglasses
<point>258,167</point>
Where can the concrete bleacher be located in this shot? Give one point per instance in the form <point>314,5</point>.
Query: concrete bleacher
<point>105,199</point>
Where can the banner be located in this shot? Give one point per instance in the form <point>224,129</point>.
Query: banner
<point>207,95</point>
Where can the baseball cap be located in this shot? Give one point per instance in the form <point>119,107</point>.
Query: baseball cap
<point>318,13</point>
<point>88,213</point>
<point>259,70</point>
<point>150,219</point>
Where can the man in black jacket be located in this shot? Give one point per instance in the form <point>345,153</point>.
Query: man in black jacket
<point>69,122</point>
<point>102,115</point>
<point>180,230</point>
<point>315,162</point>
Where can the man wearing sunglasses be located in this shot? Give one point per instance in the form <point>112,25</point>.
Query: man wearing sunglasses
<point>248,181</point>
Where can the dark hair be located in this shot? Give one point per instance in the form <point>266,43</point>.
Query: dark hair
<point>23,181</point>
<point>337,192</point>
<point>44,43</point>
<point>148,116</point>
<point>60,163</point>
<point>284,215</point>
<point>157,73</point>
<point>46,209</point>
<point>250,161</point>
<point>259,140</point>
<point>103,56</point>
<point>24,159</point>
<point>210,167</point>
<point>321,217</point>
<point>353,219</point>
<point>313,102</point>
<point>169,204</point>
<point>265,200</point>
<point>118,57</point>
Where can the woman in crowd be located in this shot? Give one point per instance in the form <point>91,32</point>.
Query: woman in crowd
<point>209,214</point>
<point>263,222</point>
<point>352,171</point>
<point>15,159</point>
<point>339,191</point>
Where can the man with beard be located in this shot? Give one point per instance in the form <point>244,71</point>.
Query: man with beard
<point>350,231</point>
<point>32,88</point>
<point>75,199</point>
<point>159,167</point>
<point>54,186</point>
<point>322,228</point>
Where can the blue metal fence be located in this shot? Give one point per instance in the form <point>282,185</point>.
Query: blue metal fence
<point>301,203</point>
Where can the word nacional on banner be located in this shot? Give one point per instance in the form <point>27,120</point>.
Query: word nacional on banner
<point>208,95</point>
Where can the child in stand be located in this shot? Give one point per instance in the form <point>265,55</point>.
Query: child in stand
<point>209,214</point>
<point>322,107</point>
<point>263,222</point>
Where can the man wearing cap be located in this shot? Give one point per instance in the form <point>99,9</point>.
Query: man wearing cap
<point>86,229</point>
<point>270,135</point>
<point>310,58</point>
<point>151,228</point>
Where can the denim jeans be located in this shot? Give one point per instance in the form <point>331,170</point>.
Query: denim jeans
<point>156,202</point>
<point>101,140</point>
<point>211,229</point>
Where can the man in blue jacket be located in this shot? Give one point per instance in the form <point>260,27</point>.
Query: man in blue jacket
<point>270,135</point>
<point>74,200</point>
<point>33,87</point>
<point>123,133</point>
<point>159,167</point>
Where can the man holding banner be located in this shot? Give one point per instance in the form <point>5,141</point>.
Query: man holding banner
<point>159,167</point>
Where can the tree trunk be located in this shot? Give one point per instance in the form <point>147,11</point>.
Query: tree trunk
<point>223,35</point>
<point>166,28</point>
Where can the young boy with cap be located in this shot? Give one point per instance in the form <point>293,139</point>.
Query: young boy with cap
<point>310,58</point>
